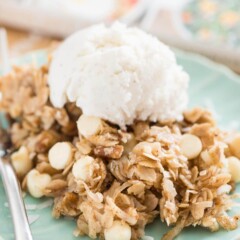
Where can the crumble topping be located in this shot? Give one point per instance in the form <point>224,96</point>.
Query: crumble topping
<point>109,179</point>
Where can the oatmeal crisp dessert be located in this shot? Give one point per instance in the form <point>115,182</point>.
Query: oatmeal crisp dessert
<point>103,130</point>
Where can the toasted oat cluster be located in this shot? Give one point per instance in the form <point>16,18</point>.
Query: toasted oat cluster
<point>116,182</point>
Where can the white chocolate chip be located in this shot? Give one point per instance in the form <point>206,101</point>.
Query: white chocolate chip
<point>234,145</point>
<point>190,145</point>
<point>60,155</point>
<point>81,168</point>
<point>36,183</point>
<point>21,161</point>
<point>118,231</point>
<point>89,126</point>
<point>234,168</point>
<point>205,156</point>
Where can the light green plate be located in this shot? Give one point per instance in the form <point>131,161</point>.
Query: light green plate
<point>211,85</point>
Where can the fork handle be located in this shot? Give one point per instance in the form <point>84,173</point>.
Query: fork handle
<point>14,195</point>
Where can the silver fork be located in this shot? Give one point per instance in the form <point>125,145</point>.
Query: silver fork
<point>13,190</point>
<point>10,182</point>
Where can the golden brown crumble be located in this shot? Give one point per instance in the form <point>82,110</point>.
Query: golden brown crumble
<point>132,176</point>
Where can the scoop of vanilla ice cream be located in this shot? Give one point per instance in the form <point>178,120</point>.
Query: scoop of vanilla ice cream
<point>119,74</point>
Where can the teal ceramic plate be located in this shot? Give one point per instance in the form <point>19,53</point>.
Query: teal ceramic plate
<point>211,85</point>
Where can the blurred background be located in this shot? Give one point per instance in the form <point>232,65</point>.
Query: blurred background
<point>207,27</point>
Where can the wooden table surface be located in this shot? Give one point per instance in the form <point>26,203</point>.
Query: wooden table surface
<point>21,42</point>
